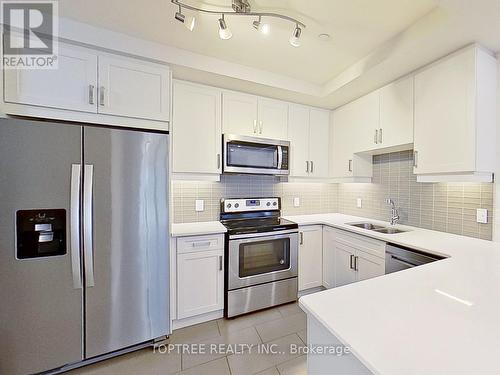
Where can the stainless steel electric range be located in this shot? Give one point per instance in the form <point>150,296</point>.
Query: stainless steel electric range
<point>261,255</point>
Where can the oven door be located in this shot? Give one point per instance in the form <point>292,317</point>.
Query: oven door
<point>255,155</point>
<point>262,258</point>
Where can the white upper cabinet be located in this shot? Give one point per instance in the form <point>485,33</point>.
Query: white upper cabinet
<point>364,121</point>
<point>273,119</point>
<point>298,134</point>
<point>319,134</point>
<point>196,126</point>
<point>132,88</point>
<point>72,86</point>
<point>345,164</point>
<point>92,87</point>
<point>308,131</point>
<point>455,104</point>
<point>240,114</point>
<point>245,114</point>
<point>396,115</point>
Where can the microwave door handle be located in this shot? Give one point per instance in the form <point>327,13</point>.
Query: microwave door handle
<point>280,157</point>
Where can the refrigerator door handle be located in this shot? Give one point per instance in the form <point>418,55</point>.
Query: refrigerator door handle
<point>76,265</point>
<point>88,243</point>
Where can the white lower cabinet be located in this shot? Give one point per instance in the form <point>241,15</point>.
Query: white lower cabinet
<point>357,257</point>
<point>310,256</point>
<point>200,275</point>
<point>328,257</point>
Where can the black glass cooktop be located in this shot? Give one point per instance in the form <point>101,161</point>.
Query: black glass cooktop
<point>258,225</point>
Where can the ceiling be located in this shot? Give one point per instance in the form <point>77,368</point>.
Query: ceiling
<point>371,44</point>
<point>356,28</point>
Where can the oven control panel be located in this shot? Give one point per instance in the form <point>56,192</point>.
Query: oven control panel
<point>250,204</point>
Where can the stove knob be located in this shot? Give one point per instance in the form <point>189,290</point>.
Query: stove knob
<point>229,205</point>
<point>268,204</point>
<point>236,205</point>
<point>275,204</point>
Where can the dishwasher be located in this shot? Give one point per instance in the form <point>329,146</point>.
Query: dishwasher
<point>398,258</point>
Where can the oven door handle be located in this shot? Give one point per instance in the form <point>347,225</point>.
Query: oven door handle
<point>271,235</point>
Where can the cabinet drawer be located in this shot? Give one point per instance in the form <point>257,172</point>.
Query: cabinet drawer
<point>362,243</point>
<point>199,243</point>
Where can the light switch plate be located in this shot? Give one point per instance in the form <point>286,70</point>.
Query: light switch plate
<point>482,216</point>
<point>199,205</point>
<point>296,202</point>
<point>359,203</point>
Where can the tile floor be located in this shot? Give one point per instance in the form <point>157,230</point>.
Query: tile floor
<point>280,329</point>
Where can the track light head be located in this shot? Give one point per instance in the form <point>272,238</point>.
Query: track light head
<point>224,32</point>
<point>295,38</point>
<point>180,17</point>
<point>262,27</point>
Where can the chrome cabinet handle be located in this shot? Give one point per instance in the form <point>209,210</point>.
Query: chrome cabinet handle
<point>220,262</point>
<point>261,126</point>
<point>88,240</point>
<point>91,94</point>
<point>255,126</point>
<point>415,159</point>
<point>101,96</point>
<point>380,136</point>
<point>356,263</point>
<point>375,138</point>
<point>312,166</point>
<point>307,166</point>
<point>200,244</point>
<point>351,261</point>
<point>350,165</point>
<point>301,238</point>
<point>76,263</point>
<point>218,161</point>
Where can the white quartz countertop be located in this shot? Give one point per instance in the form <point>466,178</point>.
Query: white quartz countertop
<point>197,229</point>
<point>440,318</point>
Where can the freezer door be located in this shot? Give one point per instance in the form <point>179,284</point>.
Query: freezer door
<point>126,240</point>
<point>40,297</point>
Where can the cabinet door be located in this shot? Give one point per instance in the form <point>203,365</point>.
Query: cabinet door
<point>273,118</point>
<point>369,266</point>
<point>239,114</point>
<point>344,263</point>
<point>328,258</point>
<point>196,127</point>
<point>200,283</point>
<point>298,134</point>
<point>343,147</point>
<point>310,257</point>
<point>133,88</point>
<point>364,121</point>
<point>319,135</point>
<point>444,116</point>
<point>396,113</point>
<point>72,86</point>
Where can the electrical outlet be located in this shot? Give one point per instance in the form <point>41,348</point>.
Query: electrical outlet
<point>199,205</point>
<point>359,203</point>
<point>482,216</point>
<point>296,202</point>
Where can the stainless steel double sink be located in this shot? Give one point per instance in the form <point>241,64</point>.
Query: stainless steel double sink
<point>377,228</point>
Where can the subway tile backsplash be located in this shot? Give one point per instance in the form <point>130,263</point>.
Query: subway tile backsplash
<point>447,207</point>
<point>314,197</point>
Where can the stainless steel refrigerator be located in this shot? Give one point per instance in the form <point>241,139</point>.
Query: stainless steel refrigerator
<point>83,242</point>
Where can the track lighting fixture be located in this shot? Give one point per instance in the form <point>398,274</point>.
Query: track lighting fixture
<point>188,21</point>
<point>241,8</point>
<point>224,32</point>
<point>295,38</point>
<point>262,27</point>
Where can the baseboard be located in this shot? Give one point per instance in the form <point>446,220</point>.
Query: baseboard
<point>191,321</point>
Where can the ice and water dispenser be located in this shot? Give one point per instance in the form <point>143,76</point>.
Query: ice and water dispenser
<point>40,233</point>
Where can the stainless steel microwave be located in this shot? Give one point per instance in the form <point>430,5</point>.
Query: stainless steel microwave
<point>255,155</point>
